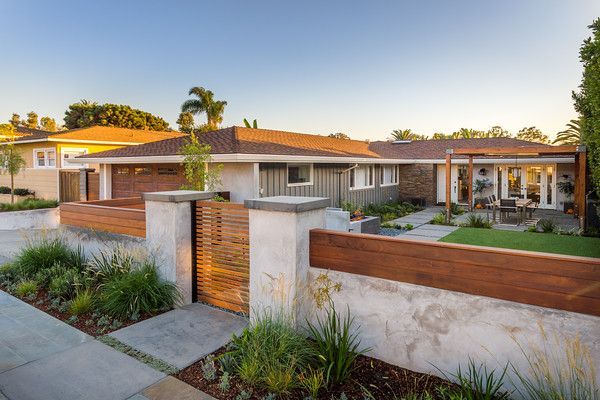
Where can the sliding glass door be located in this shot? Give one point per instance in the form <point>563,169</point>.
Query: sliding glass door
<point>534,182</point>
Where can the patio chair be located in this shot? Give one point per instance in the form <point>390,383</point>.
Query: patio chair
<point>490,205</point>
<point>507,207</point>
<point>531,208</point>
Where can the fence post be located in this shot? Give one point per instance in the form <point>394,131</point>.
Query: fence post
<point>169,234</point>
<point>279,251</point>
<point>83,183</point>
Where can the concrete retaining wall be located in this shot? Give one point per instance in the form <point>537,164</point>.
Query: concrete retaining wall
<point>46,218</point>
<point>418,327</point>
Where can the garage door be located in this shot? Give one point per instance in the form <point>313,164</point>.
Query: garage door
<point>134,179</point>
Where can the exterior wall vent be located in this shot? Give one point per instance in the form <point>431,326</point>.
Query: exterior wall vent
<point>402,141</point>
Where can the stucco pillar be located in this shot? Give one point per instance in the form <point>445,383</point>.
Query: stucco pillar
<point>169,234</point>
<point>83,186</point>
<point>279,251</point>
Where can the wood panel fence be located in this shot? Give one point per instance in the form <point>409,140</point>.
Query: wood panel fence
<point>222,255</point>
<point>549,280</point>
<point>123,216</point>
<point>93,186</point>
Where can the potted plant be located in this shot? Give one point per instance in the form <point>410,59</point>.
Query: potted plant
<point>567,187</point>
<point>478,187</point>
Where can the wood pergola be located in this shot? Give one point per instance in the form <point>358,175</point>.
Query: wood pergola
<point>579,152</point>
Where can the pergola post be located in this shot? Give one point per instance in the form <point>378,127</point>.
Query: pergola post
<point>448,184</point>
<point>470,174</point>
<point>580,184</point>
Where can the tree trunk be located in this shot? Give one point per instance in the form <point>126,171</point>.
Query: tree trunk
<point>12,189</point>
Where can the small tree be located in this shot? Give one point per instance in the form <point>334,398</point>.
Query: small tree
<point>11,161</point>
<point>195,163</point>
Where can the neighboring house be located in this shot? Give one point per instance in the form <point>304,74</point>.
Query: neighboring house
<point>261,162</point>
<point>46,153</point>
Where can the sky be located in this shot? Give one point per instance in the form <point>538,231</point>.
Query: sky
<point>362,68</point>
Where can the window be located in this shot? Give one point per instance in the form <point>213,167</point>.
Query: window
<point>70,153</point>
<point>167,171</point>
<point>145,171</point>
<point>299,174</point>
<point>362,177</point>
<point>122,171</point>
<point>388,175</point>
<point>44,158</point>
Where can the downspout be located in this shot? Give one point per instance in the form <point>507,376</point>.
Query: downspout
<point>340,173</point>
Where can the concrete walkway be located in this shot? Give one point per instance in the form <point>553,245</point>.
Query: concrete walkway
<point>182,336</point>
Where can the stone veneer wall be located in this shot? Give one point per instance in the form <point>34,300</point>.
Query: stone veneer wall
<point>418,181</point>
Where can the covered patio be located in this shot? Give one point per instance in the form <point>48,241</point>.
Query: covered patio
<point>578,152</point>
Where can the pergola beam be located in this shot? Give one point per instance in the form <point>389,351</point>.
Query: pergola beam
<point>448,185</point>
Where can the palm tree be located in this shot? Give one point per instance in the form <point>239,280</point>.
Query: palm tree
<point>402,134</point>
<point>254,124</point>
<point>205,103</point>
<point>571,135</point>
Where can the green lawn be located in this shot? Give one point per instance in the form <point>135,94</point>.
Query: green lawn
<point>545,242</point>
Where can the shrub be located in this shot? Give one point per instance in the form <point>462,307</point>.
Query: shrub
<point>409,227</point>
<point>477,221</point>
<point>47,252</point>
<point>336,343</point>
<point>476,383</point>
<point>22,192</point>
<point>82,303</point>
<point>312,381</point>
<point>138,291</point>
<point>562,369</point>
<point>28,204</point>
<point>9,274</point>
<point>26,288</point>
<point>439,219</point>
<point>455,209</point>
<point>4,190</point>
<point>270,353</point>
<point>66,284</point>
<point>111,264</point>
<point>546,225</point>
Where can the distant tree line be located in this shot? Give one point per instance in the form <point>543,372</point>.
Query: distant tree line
<point>531,134</point>
<point>32,121</point>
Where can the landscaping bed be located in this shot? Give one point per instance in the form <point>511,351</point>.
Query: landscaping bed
<point>371,379</point>
<point>92,323</point>
<point>105,292</point>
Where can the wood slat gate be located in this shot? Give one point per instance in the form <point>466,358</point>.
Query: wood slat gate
<point>69,186</point>
<point>222,255</point>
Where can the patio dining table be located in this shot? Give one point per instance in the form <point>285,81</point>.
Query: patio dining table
<point>521,206</point>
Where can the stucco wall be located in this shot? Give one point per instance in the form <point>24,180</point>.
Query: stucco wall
<point>47,218</point>
<point>241,179</point>
<point>44,182</point>
<point>563,169</point>
<point>419,327</point>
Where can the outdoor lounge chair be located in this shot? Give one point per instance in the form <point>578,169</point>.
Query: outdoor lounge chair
<point>508,206</point>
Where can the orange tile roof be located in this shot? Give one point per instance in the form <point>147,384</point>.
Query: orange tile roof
<point>101,134</point>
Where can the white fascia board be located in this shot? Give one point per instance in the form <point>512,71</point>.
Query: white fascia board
<point>529,160</point>
<point>73,141</point>
<point>305,159</point>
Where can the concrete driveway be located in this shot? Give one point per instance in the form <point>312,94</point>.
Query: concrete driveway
<point>44,358</point>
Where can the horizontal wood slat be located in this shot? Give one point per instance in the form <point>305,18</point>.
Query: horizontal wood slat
<point>123,216</point>
<point>548,280</point>
<point>222,255</point>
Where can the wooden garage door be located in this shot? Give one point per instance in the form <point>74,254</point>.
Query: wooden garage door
<point>134,179</point>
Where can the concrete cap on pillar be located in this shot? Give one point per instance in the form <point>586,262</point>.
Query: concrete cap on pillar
<point>287,203</point>
<point>178,196</point>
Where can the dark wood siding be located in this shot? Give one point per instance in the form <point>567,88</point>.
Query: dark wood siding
<point>273,182</point>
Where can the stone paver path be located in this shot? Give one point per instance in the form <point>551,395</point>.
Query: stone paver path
<point>429,232</point>
<point>44,358</point>
<point>27,334</point>
<point>419,218</point>
<point>182,336</point>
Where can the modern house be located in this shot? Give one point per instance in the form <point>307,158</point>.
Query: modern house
<point>261,162</point>
<point>47,153</point>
